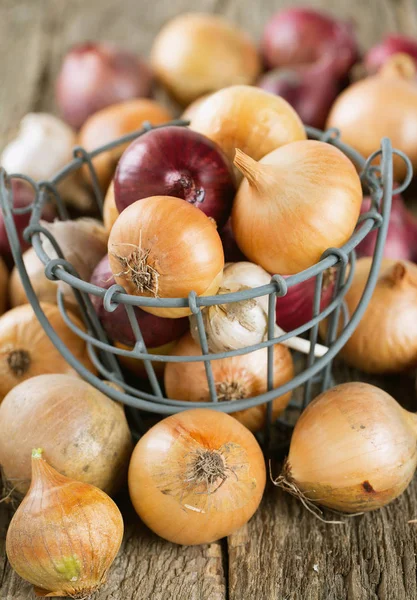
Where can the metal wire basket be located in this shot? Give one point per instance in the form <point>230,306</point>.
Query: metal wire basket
<point>378,179</point>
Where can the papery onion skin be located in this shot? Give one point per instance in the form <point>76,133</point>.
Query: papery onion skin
<point>137,367</point>
<point>84,434</point>
<point>194,54</point>
<point>378,55</point>
<point>179,162</point>
<point>156,331</point>
<point>235,378</point>
<point>110,212</point>
<point>304,35</point>
<point>345,452</point>
<point>248,118</point>
<point>4,284</point>
<point>174,498</point>
<point>96,75</point>
<point>182,249</point>
<point>309,191</point>
<point>65,534</point>
<point>112,122</point>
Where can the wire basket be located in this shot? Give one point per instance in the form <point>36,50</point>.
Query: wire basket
<point>378,179</point>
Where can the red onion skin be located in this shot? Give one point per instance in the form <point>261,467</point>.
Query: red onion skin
<point>401,242</point>
<point>304,35</point>
<point>296,308</point>
<point>392,44</point>
<point>232,252</point>
<point>176,161</point>
<point>156,331</point>
<point>96,75</point>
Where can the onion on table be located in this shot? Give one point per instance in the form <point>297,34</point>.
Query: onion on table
<point>84,434</point>
<point>196,476</point>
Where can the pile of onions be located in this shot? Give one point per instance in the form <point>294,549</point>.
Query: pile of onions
<point>4,284</point>
<point>156,331</point>
<point>235,377</point>
<point>385,341</point>
<point>112,122</point>
<point>196,477</point>
<point>401,241</point>
<point>378,55</point>
<point>163,247</point>
<point>294,204</point>
<point>353,450</point>
<point>96,75</point>
<point>110,212</point>
<point>26,351</point>
<point>176,161</point>
<point>83,432</point>
<point>44,288</point>
<point>248,118</point>
<point>303,36</point>
<point>199,53</point>
<point>384,105</point>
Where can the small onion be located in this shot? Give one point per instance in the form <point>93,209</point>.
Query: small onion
<point>163,247</point>
<point>96,75</point>
<point>196,477</point>
<point>176,161</point>
<point>378,55</point>
<point>235,378</point>
<point>198,53</point>
<point>353,450</point>
<point>83,432</point>
<point>110,212</point>
<point>4,284</point>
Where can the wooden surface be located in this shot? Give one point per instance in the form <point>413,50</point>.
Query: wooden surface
<point>283,553</point>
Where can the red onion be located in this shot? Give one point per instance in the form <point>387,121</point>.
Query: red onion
<point>401,242</point>
<point>310,89</point>
<point>232,252</point>
<point>296,308</point>
<point>175,161</point>
<point>96,75</point>
<point>156,331</point>
<point>303,36</point>
<point>392,44</point>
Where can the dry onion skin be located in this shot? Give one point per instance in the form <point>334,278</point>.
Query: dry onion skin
<point>196,477</point>
<point>84,433</point>
<point>110,212</point>
<point>163,247</point>
<point>195,54</point>
<point>27,351</point>
<point>4,283</point>
<point>235,378</point>
<point>246,117</point>
<point>383,105</point>
<point>385,340</point>
<point>307,191</point>
<point>353,449</point>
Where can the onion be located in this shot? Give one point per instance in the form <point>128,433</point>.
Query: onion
<point>26,350</point>
<point>296,307</point>
<point>307,191</point>
<point>384,105</point>
<point>156,331</point>
<point>232,253</point>
<point>353,450</point>
<point>385,341</point>
<point>235,378</point>
<point>198,53</point>
<point>378,55</point>
<point>96,75</point>
<point>84,434</point>
<point>4,281</point>
<point>175,161</point>
<point>111,123</point>
<point>192,108</point>
<point>196,477</point>
<point>401,242</point>
<point>248,118</point>
<point>110,212</point>
<point>163,247</point>
<point>304,36</point>
<point>137,367</point>
<point>310,89</point>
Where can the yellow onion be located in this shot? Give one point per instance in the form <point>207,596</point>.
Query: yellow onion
<point>235,378</point>
<point>248,118</point>
<point>196,477</point>
<point>353,449</point>
<point>4,282</point>
<point>65,534</point>
<point>110,212</point>
<point>294,204</point>
<point>194,54</point>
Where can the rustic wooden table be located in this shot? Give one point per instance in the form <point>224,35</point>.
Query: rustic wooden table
<point>284,553</point>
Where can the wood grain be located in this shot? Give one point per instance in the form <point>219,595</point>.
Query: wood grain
<point>284,553</point>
